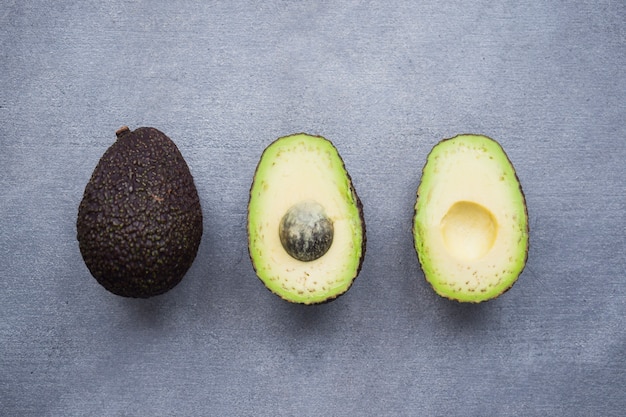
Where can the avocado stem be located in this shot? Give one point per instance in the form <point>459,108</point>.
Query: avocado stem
<point>122,131</point>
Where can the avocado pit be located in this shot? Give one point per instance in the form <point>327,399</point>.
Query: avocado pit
<point>306,232</point>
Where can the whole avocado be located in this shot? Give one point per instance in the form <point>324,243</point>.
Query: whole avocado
<point>139,223</point>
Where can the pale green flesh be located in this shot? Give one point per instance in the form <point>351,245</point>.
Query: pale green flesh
<point>291,170</point>
<point>470,225</point>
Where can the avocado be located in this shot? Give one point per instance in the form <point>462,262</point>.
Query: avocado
<point>140,222</point>
<point>470,225</point>
<point>306,232</point>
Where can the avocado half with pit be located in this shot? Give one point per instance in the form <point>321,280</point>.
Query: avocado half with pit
<point>306,233</point>
<point>471,224</point>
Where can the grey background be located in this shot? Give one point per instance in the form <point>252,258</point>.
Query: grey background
<point>385,82</point>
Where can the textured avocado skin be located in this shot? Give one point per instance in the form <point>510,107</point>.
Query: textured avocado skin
<point>140,222</point>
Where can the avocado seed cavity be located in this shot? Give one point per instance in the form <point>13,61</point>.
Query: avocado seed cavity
<point>469,230</point>
<point>305,231</point>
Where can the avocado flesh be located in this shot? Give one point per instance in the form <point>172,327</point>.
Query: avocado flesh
<point>139,223</point>
<point>471,224</point>
<point>295,170</point>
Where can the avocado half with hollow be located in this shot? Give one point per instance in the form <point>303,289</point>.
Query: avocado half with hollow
<point>471,224</point>
<point>305,221</point>
<point>139,223</point>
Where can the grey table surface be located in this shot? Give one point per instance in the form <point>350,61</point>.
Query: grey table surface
<point>385,81</point>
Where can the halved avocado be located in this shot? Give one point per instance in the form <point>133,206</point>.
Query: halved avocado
<point>471,224</point>
<point>305,221</point>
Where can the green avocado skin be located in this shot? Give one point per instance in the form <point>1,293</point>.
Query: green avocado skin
<point>139,223</point>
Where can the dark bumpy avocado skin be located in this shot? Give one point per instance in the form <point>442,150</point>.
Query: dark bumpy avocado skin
<point>140,221</point>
